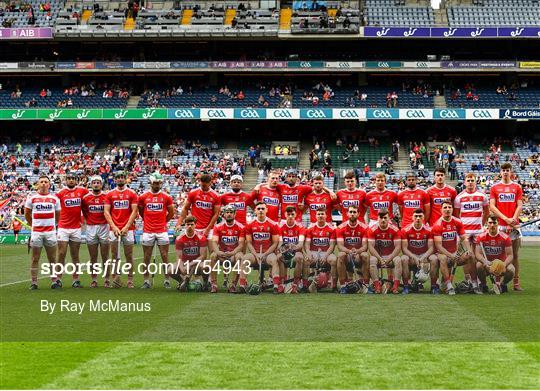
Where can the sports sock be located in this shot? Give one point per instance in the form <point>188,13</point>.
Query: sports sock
<point>243,282</point>
<point>277,280</point>
<point>433,281</point>
<point>75,276</point>
<point>296,280</point>
<point>305,282</point>
<point>405,281</point>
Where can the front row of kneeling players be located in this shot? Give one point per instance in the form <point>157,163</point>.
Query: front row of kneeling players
<point>363,253</point>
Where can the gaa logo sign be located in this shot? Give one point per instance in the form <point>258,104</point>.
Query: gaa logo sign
<point>450,114</point>
<point>249,114</point>
<point>382,114</point>
<point>96,208</point>
<point>154,207</point>
<point>184,113</point>
<point>417,114</point>
<point>348,114</point>
<point>121,204</point>
<point>72,202</point>
<point>316,114</point>
<point>481,114</point>
<point>216,114</point>
<point>507,197</point>
<point>282,114</point>
<point>203,204</point>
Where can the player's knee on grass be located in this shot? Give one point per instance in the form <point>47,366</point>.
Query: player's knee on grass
<point>510,270</point>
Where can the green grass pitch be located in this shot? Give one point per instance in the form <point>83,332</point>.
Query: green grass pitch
<point>199,340</point>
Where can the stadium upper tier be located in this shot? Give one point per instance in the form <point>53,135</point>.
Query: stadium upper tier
<point>230,19</point>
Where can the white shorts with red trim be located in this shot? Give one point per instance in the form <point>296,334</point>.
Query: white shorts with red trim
<point>40,239</point>
<point>98,233</point>
<point>69,235</point>
<point>149,239</point>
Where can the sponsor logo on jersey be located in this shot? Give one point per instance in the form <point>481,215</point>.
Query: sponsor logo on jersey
<point>384,242</point>
<point>154,206</point>
<point>411,204</point>
<point>96,208</point>
<point>72,202</point>
<point>440,200</point>
<point>353,240</point>
<point>290,198</point>
<point>191,250</point>
<point>472,206</point>
<point>121,204</point>
<point>261,236</point>
<point>347,203</point>
<point>417,243</point>
<point>379,205</point>
<point>270,201</point>
<point>452,235</point>
<point>203,204</point>
<point>238,205</point>
<point>290,239</point>
<point>317,206</point>
<point>229,239</point>
<point>320,242</point>
<point>493,250</point>
<point>507,197</point>
<point>44,207</point>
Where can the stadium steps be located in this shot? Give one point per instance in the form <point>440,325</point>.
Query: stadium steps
<point>285,17</point>
<point>187,14</point>
<point>305,149</point>
<point>229,16</point>
<point>85,16</point>
<point>402,164</point>
<point>439,102</point>
<point>129,24</point>
<point>251,176</point>
<point>133,101</point>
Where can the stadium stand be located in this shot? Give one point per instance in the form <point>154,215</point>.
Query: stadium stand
<point>470,96</point>
<point>395,13</point>
<point>484,13</point>
<point>29,13</point>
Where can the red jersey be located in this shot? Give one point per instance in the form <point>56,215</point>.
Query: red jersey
<point>16,225</point>
<point>271,198</point>
<point>378,200</point>
<point>228,236</point>
<point>202,206</point>
<point>121,202</point>
<point>417,239</point>
<point>315,201</point>
<point>291,234</point>
<point>436,198</point>
<point>506,197</point>
<point>190,246</point>
<point>93,208</point>
<point>449,231</point>
<point>71,202</point>
<point>384,238</point>
<point>352,236</point>
<point>320,237</point>
<point>240,201</point>
<point>292,196</point>
<point>261,233</point>
<point>411,200</point>
<point>155,209</point>
<point>346,198</point>
<point>44,208</point>
<point>494,246</point>
<point>471,207</point>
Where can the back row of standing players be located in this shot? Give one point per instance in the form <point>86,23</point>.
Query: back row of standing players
<point>435,223</point>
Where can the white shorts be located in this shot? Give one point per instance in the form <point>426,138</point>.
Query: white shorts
<point>201,231</point>
<point>514,233</point>
<point>69,234</point>
<point>149,239</point>
<point>40,239</point>
<point>97,234</point>
<point>128,238</point>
